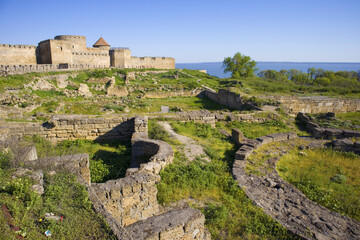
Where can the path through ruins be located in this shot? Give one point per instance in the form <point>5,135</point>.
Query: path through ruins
<point>191,148</point>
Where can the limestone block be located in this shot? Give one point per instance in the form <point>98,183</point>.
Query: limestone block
<point>265,140</point>
<point>84,90</point>
<point>237,135</point>
<point>173,233</point>
<point>251,142</point>
<point>243,152</point>
<point>26,154</point>
<point>332,132</point>
<point>350,133</point>
<point>278,137</point>
<point>292,135</point>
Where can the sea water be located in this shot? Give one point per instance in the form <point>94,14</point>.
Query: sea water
<point>216,68</point>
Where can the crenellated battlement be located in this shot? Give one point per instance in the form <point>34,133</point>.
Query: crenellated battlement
<point>90,53</point>
<point>69,37</point>
<point>18,46</point>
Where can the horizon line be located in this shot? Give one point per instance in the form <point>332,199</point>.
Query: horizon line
<point>273,62</point>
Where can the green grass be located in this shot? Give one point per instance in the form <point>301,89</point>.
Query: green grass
<point>63,196</point>
<point>48,94</point>
<point>184,103</point>
<point>352,117</point>
<point>328,177</point>
<point>255,130</point>
<point>209,185</point>
<point>256,85</point>
<point>108,160</point>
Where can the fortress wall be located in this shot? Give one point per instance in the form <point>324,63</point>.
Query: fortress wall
<point>153,62</point>
<point>17,54</point>
<point>77,43</point>
<point>61,51</point>
<point>92,57</point>
<point>120,58</point>
<point>44,51</point>
<point>317,104</point>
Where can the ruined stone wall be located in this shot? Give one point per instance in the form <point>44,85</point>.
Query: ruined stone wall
<point>283,202</point>
<point>181,93</point>
<point>20,69</point>
<point>17,54</point>
<point>72,127</point>
<point>224,97</point>
<point>327,133</point>
<point>200,116</point>
<point>317,104</point>
<point>130,199</point>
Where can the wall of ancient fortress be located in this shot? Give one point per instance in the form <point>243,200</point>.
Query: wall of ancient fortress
<point>152,62</point>
<point>17,54</point>
<point>92,57</point>
<point>320,104</point>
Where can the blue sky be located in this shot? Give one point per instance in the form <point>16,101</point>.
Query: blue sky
<point>196,31</point>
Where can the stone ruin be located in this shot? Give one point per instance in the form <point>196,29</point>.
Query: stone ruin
<point>283,202</point>
<point>129,204</point>
<point>327,133</point>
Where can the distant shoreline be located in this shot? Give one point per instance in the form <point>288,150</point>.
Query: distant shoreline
<point>216,68</point>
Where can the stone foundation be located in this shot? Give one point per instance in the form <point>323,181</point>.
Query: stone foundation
<point>327,133</point>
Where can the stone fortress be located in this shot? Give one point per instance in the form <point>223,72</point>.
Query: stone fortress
<point>70,52</point>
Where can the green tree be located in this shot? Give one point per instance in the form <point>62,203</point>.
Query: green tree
<point>239,66</point>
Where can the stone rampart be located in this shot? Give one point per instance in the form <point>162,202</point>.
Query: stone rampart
<point>152,62</point>
<point>317,104</point>
<point>17,54</point>
<point>320,132</point>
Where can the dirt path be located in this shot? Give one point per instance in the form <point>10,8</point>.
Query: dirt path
<point>191,148</point>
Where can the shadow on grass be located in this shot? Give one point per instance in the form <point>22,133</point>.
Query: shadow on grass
<point>116,162</point>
